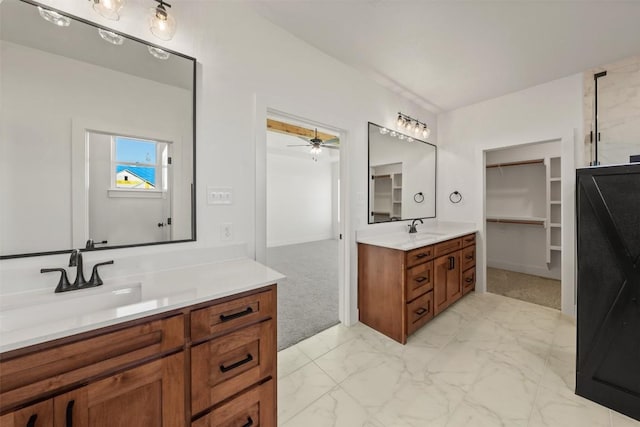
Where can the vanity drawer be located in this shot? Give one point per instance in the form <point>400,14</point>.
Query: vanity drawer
<point>228,315</point>
<point>419,280</point>
<point>468,280</point>
<point>468,257</point>
<point>419,255</point>
<point>54,367</point>
<point>447,247</point>
<point>231,363</point>
<point>419,312</point>
<point>468,240</point>
<point>255,407</point>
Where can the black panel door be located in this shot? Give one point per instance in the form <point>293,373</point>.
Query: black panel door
<point>608,225</point>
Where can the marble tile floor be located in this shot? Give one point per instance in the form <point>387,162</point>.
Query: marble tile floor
<point>488,360</point>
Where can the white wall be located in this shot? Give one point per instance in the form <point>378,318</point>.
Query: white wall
<point>42,95</point>
<point>299,199</point>
<point>246,65</point>
<point>546,112</point>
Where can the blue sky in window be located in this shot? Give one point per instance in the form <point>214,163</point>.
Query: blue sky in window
<point>135,150</point>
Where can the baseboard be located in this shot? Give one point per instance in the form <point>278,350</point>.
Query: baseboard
<point>526,269</point>
<point>298,240</point>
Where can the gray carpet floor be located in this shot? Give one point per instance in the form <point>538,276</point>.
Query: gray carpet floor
<point>308,297</point>
<point>525,287</point>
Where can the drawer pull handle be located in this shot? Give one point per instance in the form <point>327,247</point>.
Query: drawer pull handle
<point>469,279</point>
<point>239,363</point>
<point>421,311</point>
<point>469,239</point>
<point>249,422</point>
<point>422,255</point>
<point>69,415</point>
<point>32,420</point>
<point>452,263</point>
<point>224,318</point>
<point>469,256</point>
<point>421,279</point>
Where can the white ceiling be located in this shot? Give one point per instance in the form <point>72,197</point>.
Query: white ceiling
<point>447,54</point>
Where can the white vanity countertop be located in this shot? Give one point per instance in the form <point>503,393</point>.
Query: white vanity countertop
<point>428,234</point>
<point>40,316</point>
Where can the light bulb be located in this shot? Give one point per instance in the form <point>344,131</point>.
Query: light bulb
<point>393,133</point>
<point>409,139</point>
<point>161,23</point>
<point>426,131</point>
<point>417,128</point>
<point>54,17</point>
<point>111,37</point>
<point>110,9</point>
<point>158,53</point>
<point>400,121</point>
<point>408,125</point>
<point>401,137</point>
<point>384,131</point>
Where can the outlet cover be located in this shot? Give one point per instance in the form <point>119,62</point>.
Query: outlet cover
<point>226,232</point>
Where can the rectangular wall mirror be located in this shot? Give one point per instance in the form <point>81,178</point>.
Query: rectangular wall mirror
<point>97,140</point>
<point>402,176</point>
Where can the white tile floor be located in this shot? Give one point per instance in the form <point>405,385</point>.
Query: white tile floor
<point>486,361</point>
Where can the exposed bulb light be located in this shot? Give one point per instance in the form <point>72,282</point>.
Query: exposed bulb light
<point>401,137</point>
<point>111,37</point>
<point>54,17</point>
<point>161,23</point>
<point>109,9</point>
<point>409,139</point>
<point>405,122</point>
<point>156,52</point>
<point>384,131</point>
<point>393,133</point>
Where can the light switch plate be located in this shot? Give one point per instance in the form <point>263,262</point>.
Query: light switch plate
<point>219,195</point>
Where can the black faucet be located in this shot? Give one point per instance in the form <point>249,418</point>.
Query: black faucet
<point>76,261</point>
<point>80,283</point>
<point>412,227</point>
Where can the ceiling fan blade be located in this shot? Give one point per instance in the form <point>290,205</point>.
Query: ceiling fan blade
<point>331,147</point>
<point>332,141</point>
<point>302,138</point>
<point>301,145</point>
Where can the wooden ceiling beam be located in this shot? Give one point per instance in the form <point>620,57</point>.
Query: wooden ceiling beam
<point>289,129</point>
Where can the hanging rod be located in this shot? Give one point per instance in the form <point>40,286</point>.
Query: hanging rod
<point>517,221</point>
<point>524,162</point>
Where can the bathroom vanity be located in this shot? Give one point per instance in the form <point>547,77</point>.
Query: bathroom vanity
<point>199,352</point>
<point>404,280</point>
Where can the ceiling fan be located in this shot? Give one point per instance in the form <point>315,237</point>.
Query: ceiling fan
<point>317,144</point>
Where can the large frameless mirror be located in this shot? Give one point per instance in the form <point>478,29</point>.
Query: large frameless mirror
<point>402,176</point>
<point>97,139</point>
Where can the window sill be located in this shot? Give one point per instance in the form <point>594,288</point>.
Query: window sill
<point>138,194</point>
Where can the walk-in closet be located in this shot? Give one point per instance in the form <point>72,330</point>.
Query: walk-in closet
<point>523,214</point>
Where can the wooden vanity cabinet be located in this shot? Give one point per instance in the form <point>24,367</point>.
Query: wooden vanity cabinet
<point>150,372</point>
<point>400,291</point>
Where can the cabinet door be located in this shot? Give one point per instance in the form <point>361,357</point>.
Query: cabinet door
<point>151,395</point>
<point>38,415</point>
<point>454,282</point>
<point>441,267</point>
<point>447,286</point>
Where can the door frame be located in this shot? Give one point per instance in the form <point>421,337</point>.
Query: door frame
<point>262,112</point>
<point>568,146</point>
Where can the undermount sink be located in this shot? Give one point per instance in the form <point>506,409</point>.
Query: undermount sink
<point>70,305</point>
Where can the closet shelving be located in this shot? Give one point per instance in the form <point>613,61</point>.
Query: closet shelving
<point>554,211</point>
<point>387,192</point>
<point>517,219</point>
<point>550,219</point>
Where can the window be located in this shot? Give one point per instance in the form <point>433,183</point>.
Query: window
<point>139,164</point>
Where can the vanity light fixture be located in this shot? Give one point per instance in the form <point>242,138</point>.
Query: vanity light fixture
<point>156,52</point>
<point>111,37</point>
<point>411,124</point>
<point>161,23</point>
<point>54,17</point>
<point>109,9</point>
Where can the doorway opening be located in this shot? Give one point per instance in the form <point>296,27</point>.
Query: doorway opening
<point>523,203</point>
<point>303,225</point>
